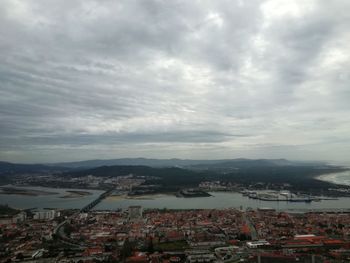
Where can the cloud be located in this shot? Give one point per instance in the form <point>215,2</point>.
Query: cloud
<point>187,79</point>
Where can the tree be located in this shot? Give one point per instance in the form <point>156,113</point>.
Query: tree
<point>126,249</point>
<point>150,247</point>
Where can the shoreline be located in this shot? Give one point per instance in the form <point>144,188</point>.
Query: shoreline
<point>334,178</point>
<point>75,194</point>
<point>136,197</point>
<point>21,191</point>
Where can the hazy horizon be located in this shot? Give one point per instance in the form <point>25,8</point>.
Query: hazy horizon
<point>77,160</point>
<point>86,79</point>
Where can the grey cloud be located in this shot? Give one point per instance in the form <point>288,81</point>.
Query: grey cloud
<point>123,138</point>
<point>199,79</point>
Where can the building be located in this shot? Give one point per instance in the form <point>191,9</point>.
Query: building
<point>20,217</point>
<point>257,244</point>
<point>45,214</point>
<point>135,212</point>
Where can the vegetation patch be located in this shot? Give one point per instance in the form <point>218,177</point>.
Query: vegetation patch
<point>172,246</point>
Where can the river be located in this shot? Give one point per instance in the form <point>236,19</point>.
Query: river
<point>217,200</point>
<point>53,200</point>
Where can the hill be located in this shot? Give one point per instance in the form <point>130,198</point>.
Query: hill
<point>7,168</point>
<point>9,171</point>
<point>184,163</point>
<point>173,178</point>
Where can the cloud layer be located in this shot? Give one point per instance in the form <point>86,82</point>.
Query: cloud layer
<point>189,79</point>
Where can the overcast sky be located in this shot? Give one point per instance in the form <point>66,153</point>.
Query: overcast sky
<point>187,79</point>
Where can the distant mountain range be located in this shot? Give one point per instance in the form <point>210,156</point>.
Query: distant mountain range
<point>217,165</point>
<point>7,170</point>
<point>15,168</point>
<point>185,163</point>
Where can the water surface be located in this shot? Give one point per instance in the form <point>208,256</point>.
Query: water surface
<point>48,201</point>
<point>218,200</point>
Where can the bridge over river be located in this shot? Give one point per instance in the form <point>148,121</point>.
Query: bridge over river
<point>95,202</point>
<point>59,230</point>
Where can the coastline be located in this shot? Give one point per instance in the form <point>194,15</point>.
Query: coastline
<point>339,178</point>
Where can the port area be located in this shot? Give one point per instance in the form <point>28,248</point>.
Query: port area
<point>286,196</point>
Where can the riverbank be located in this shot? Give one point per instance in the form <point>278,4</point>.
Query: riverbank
<point>75,194</point>
<point>22,191</point>
<point>136,197</point>
<point>39,200</point>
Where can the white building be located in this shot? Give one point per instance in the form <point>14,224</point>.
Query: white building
<point>46,214</point>
<point>257,244</point>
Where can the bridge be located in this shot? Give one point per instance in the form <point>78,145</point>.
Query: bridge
<point>59,230</point>
<point>95,202</point>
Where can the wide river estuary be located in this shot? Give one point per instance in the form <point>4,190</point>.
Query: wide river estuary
<point>59,198</point>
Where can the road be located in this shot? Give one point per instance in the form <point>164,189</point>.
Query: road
<point>59,230</point>
<point>253,232</point>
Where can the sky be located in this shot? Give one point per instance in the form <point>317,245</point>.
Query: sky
<point>83,79</point>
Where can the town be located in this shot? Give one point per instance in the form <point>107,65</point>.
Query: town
<point>132,185</point>
<point>161,235</point>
